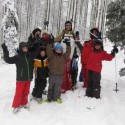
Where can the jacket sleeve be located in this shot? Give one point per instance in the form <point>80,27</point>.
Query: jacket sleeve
<point>106,56</point>
<point>58,37</point>
<point>49,51</point>
<point>67,53</point>
<point>79,46</point>
<point>7,59</point>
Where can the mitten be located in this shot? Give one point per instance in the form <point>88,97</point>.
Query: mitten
<point>67,42</point>
<point>4,47</point>
<point>114,51</point>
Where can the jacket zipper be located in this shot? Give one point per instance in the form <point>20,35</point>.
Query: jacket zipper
<point>22,72</point>
<point>28,67</point>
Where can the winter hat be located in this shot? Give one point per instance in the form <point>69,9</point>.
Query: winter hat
<point>44,32</point>
<point>35,30</point>
<point>98,42</point>
<point>58,46</point>
<point>96,29</point>
<point>91,31</point>
<point>22,44</point>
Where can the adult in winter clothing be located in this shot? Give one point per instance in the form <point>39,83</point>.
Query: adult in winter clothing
<point>24,73</point>
<point>86,49</point>
<point>94,66</point>
<point>35,41</point>
<point>57,60</point>
<point>41,73</point>
<point>67,34</point>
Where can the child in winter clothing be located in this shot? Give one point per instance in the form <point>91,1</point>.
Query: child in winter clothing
<point>41,74</point>
<point>94,66</point>
<point>85,52</point>
<point>24,74</point>
<point>57,60</point>
<point>67,33</point>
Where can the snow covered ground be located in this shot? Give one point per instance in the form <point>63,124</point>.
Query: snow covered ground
<point>75,109</point>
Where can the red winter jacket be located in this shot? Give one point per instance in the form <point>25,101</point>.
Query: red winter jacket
<point>95,60</point>
<point>86,50</point>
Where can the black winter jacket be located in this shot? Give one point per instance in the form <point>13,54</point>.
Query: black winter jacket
<point>24,65</point>
<point>42,71</point>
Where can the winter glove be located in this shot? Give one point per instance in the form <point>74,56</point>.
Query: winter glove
<point>75,56</point>
<point>114,51</point>
<point>4,47</point>
<point>67,42</point>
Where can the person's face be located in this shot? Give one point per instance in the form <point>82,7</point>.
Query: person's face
<point>38,33</point>
<point>44,35</point>
<point>97,46</point>
<point>25,49</point>
<point>42,53</point>
<point>95,32</point>
<point>59,51</point>
<point>68,26</point>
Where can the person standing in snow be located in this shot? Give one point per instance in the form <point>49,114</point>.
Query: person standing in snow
<point>67,34</point>
<point>24,74</point>
<point>86,49</point>
<point>94,66</point>
<point>41,73</point>
<point>57,60</point>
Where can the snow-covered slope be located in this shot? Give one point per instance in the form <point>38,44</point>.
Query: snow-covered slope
<point>75,109</point>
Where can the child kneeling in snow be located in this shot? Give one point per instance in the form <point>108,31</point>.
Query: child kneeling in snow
<point>94,66</point>
<point>24,74</point>
<point>57,60</point>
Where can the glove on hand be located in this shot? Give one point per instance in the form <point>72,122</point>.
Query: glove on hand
<point>4,47</point>
<point>67,42</point>
<point>115,50</point>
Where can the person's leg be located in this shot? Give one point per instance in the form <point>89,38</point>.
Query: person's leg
<point>96,85</point>
<point>17,101</point>
<point>26,92</point>
<point>51,88</point>
<point>57,87</point>
<point>90,82</point>
<point>85,73</point>
<point>34,92</point>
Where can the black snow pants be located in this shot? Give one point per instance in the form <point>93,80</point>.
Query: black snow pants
<point>94,88</point>
<point>39,86</point>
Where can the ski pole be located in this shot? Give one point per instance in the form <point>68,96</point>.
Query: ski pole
<point>116,78</point>
<point>88,31</point>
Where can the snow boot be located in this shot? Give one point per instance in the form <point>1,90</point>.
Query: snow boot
<point>59,100</point>
<point>89,92</point>
<point>96,93</point>
<point>16,110</point>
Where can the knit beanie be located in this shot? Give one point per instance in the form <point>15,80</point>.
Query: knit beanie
<point>35,30</point>
<point>58,46</point>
